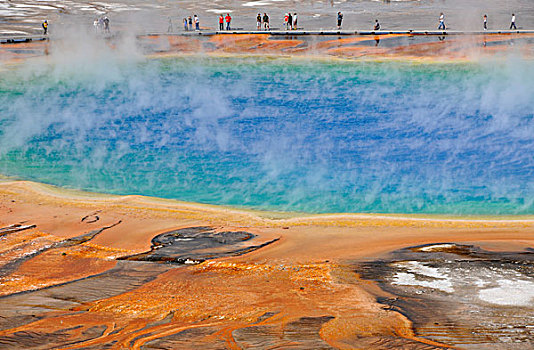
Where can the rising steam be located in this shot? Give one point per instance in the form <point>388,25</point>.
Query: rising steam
<point>274,134</point>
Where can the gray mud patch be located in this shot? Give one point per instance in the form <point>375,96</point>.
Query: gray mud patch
<point>194,245</point>
<point>460,295</point>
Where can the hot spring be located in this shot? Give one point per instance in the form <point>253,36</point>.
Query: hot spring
<point>278,134</point>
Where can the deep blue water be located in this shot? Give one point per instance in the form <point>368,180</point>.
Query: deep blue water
<point>279,134</point>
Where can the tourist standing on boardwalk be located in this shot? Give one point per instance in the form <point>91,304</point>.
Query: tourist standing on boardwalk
<point>197,22</point>
<point>266,21</point>
<point>485,18</point>
<point>286,19</point>
<point>190,21</point>
<point>45,27</point>
<point>339,19</point>
<point>221,22</point>
<point>512,25</point>
<point>106,24</point>
<point>228,19</point>
<point>185,23</point>
<point>290,20</point>
<point>441,21</point>
<point>377,25</point>
<point>169,27</point>
<point>258,21</point>
<point>295,18</point>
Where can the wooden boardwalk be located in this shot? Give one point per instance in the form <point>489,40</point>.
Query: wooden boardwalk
<point>349,32</point>
<point>15,39</point>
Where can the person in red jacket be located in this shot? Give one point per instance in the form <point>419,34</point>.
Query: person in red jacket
<point>221,22</point>
<point>228,19</point>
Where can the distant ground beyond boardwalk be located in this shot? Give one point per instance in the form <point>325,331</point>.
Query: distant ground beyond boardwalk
<point>25,16</point>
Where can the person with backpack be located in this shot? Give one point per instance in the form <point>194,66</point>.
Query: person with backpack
<point>266,21</point>
<point>190,22</point>
<point>45,27</point>
<point>339,20</point>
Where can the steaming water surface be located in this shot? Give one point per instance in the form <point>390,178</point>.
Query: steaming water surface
<point>279,134</point>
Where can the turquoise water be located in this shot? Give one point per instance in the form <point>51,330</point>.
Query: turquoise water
<point>279,134</point>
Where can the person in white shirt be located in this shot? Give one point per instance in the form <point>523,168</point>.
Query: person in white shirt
<point>512,25</point>
<point>441,21</point>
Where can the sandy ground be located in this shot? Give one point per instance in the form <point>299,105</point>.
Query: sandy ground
<point>301,290</point>
<point>25,17</point>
